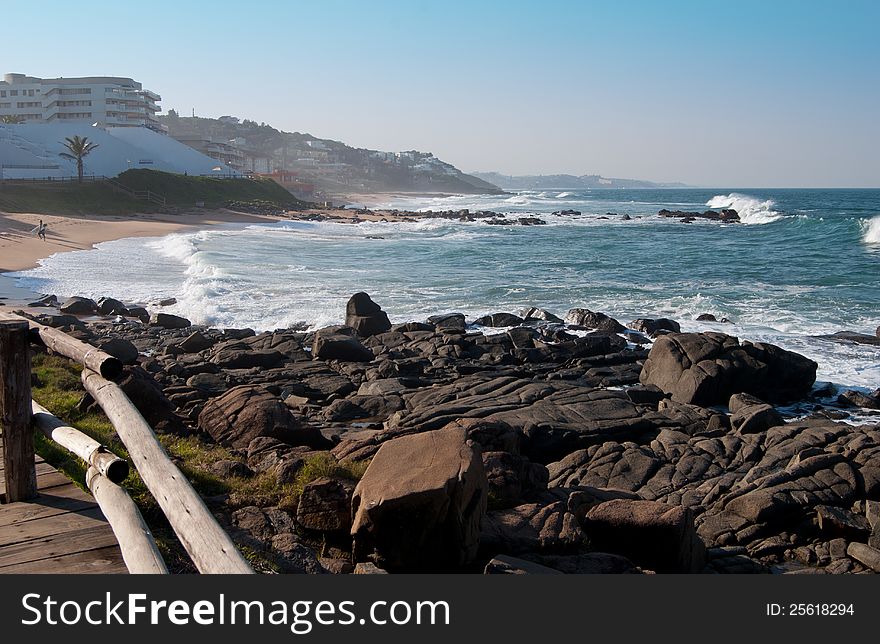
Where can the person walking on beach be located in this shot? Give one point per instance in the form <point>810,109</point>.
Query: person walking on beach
<point>41,232</point>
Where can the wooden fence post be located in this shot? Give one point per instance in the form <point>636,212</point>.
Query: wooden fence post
<point>15,412</point>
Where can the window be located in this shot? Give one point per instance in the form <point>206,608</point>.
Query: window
<point>2,93</point>
<point>5,105</point>
<point>13,92</point>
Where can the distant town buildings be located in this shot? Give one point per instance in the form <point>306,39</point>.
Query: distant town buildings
<point>107,101</point>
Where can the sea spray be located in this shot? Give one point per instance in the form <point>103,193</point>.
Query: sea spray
<point>872,231</point>
<point>750,209</point>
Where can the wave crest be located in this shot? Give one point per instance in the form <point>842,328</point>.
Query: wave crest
<point>872,230</point>
<point>751,210</point>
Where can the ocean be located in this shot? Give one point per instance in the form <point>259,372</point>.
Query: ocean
<point>803,263</point>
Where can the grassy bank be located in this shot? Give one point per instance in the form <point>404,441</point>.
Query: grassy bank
<point>179,191</point>
<point>57,387</point>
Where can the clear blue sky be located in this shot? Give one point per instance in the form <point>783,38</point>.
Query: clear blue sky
<point>710,92</point>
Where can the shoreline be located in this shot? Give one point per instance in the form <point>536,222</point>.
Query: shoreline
<point>21,250</point>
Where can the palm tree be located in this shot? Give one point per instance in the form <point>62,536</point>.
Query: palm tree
<point>78,147</point>
<point>11,119</point>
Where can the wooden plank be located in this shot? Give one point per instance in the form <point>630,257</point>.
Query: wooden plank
<point>15,412</point>
<point>42,468</point>
<point>101,561</point>
<point>45,481</point>
<point>57,546</point>
<point>60,501</point>
<point>91,518</point>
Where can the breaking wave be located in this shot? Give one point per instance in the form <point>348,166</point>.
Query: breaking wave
<point>750,209</point>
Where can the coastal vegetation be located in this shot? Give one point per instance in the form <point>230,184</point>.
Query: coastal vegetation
<point>101,197</point>
<point>78,148</point>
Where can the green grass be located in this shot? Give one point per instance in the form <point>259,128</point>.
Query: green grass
<point>100,198</point>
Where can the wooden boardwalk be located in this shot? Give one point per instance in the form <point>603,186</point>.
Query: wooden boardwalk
<point>60,531</point>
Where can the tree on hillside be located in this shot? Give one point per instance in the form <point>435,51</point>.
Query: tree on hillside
<point>78,148</point>
<point>11,119</point>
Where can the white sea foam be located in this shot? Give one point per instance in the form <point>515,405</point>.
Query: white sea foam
<point>750,209</point>
<point>872,230</point>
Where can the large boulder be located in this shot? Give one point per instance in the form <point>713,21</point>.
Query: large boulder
<point>420,503</point>
<point>168,321</point>
<point>250,411</point>
<point>593,320</point>
<point>365,316</point>
<point>121,349</point>
<point>707,368</point>
<point>654,535</point>
<point>499,320</point>
<point>448,322</point>
<point>653,327</point>
<point>333,343</point>
<point>79,306</point>
<point>109,306</point>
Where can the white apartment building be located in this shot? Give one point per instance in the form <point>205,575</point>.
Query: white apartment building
<point>106,100</point>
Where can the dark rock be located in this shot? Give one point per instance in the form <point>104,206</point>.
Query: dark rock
<point>853,398</point>
<point>532,527</point>
<point>146,394</point>
<point>331,345</point>
<point>654,535</point>
<point>654,327</point>
<point>448,322</point>
<point>168,321</point>
<point>228,469</point>
<point>233,357</point>
<point>593,320</point>
<point>539,314</point>
<point>706,317</point>
<point>365,316</point>
<point>512,477</point>
<point>46,300</point>
<point>865,554</point>
<point>325,505</point>
<point>79,306</point>
<point>121,349</point>
<point>499,320</point>
<point>138,312</point>
<point>839,522</point>
<point>195,343</point>
<point>850,336</point>
<point>707,368</point>
<point>60,321</point>
<point>109,306</point>
<point>210,383</point>
<point>751,415</point>
<point>250,411</point>
<point>294,556</point>
<point>420,503</point>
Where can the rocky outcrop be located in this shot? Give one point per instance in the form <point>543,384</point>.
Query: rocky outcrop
<point>250,411</point>
<point>654,535</point>
<point>420,503</point>
<point>168,321</point>
<point>593,320</point>
<point>79,306</point>
<point>707,368</point>
<point>336,343</point>
<point>365,316</point>
<point>653,327</point>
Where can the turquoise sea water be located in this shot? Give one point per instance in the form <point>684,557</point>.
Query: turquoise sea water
<point>803,263</point>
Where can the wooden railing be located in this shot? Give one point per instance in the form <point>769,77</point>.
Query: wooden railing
<point>208,545</point>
